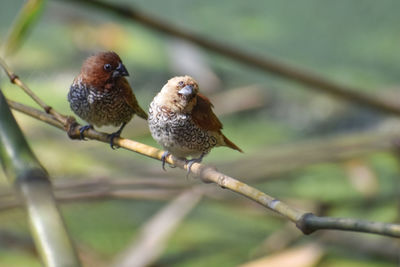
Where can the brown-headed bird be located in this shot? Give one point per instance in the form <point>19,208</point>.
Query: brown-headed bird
<point>101,95</point>
<point>182,121</point>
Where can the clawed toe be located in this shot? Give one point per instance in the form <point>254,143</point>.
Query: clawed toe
<point>114,135</point>
<point>191,162</point>
<point>83,129</point>
<point>188,162</point>
<point>163,159</point>
<point>189,166</point>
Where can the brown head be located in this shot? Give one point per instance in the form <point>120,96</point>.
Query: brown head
<point>179,94</point>
<point>102,68</point>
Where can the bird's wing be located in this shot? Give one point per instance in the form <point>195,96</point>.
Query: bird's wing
<point>203,115</point>
<point>131,99</point>
<point>205,118</point>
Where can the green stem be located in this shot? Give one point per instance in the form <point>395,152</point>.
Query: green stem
<point>31,181</point>
<point>309,223</point>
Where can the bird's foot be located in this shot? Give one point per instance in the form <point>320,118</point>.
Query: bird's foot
<point>191,162</point>
<point>112,136</point>
<point>116,134</point>
<point>83,129</point>
<point>163,159</point>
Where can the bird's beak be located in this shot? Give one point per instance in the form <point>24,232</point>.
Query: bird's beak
<point>120,71</point>
<point>187,90</point>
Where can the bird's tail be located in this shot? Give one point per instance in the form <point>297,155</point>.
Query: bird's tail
<point>230,144</point>
<point>140,112</point>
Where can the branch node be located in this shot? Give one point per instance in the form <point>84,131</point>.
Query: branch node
<point>221,181</point>
<point>206,171</point>
<point>13,77</point>
<point>273,203</point>
<point>303,224</point>
<point>33,176</point>
<point>47,109</point>
<point>71,128</point>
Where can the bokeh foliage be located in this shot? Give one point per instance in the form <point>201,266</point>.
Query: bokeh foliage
<point>355,43</point>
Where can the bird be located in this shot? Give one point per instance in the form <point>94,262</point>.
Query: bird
<point>182,121</point>
<point>101,95</point>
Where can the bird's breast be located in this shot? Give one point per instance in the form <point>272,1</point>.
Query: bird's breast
<point>99,107</point>
<point>177,132</point>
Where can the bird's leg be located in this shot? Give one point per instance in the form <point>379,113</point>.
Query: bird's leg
<point>116,134</point>
<point>190,163</point>
<point>163,158</point>
<point>83,129</point>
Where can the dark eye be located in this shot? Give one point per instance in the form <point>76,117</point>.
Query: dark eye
<point>181,83</point>
<point>107,67</point>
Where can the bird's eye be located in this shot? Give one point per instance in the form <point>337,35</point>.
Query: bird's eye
<point>107,67</point>
<point>181,83</point>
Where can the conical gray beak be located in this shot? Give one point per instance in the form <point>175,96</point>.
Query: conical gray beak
<point>120,71</point>
<point>187,90</point>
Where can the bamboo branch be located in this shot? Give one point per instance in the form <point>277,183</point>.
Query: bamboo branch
<point>15,80</point>
<point>34,113</point>
<point>263,63</point>
<point>34,188</point>
<point>306,222</point>
<point>310,223</point>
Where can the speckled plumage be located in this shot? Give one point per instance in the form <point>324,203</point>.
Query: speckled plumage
<point>178,134</point>
<point>100,94</point>
<point>99,107</point>
<point>185,124</point>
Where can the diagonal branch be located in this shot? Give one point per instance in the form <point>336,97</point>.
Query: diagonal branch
<point>265,64</point>
<point>306,222</point>
<point>15,80</point>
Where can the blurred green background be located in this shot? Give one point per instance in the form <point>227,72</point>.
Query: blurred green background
<point>356,43</point>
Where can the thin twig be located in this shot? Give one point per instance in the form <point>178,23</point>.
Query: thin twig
<point>306,222</point>
<point>210,175</point>
<point>268,65</point>
<point>35,113</point>
<point>310,223</point>
<point>15,80</point>
<point>206,173</point>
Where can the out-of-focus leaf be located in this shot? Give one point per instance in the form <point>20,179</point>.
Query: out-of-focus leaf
<point>152,239</point>
<point>303,256</point>
<point>362,177</point>
<point>26,19</point>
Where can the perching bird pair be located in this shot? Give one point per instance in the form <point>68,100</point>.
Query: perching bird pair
<point>180,118</point>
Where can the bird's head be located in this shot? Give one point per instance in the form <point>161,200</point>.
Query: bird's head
<point>103,68</point>
<point>180,93</point>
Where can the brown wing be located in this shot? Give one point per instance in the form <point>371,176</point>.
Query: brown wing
<point>203,115</point>
<point>205,118</point>
<point>131,99</point>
